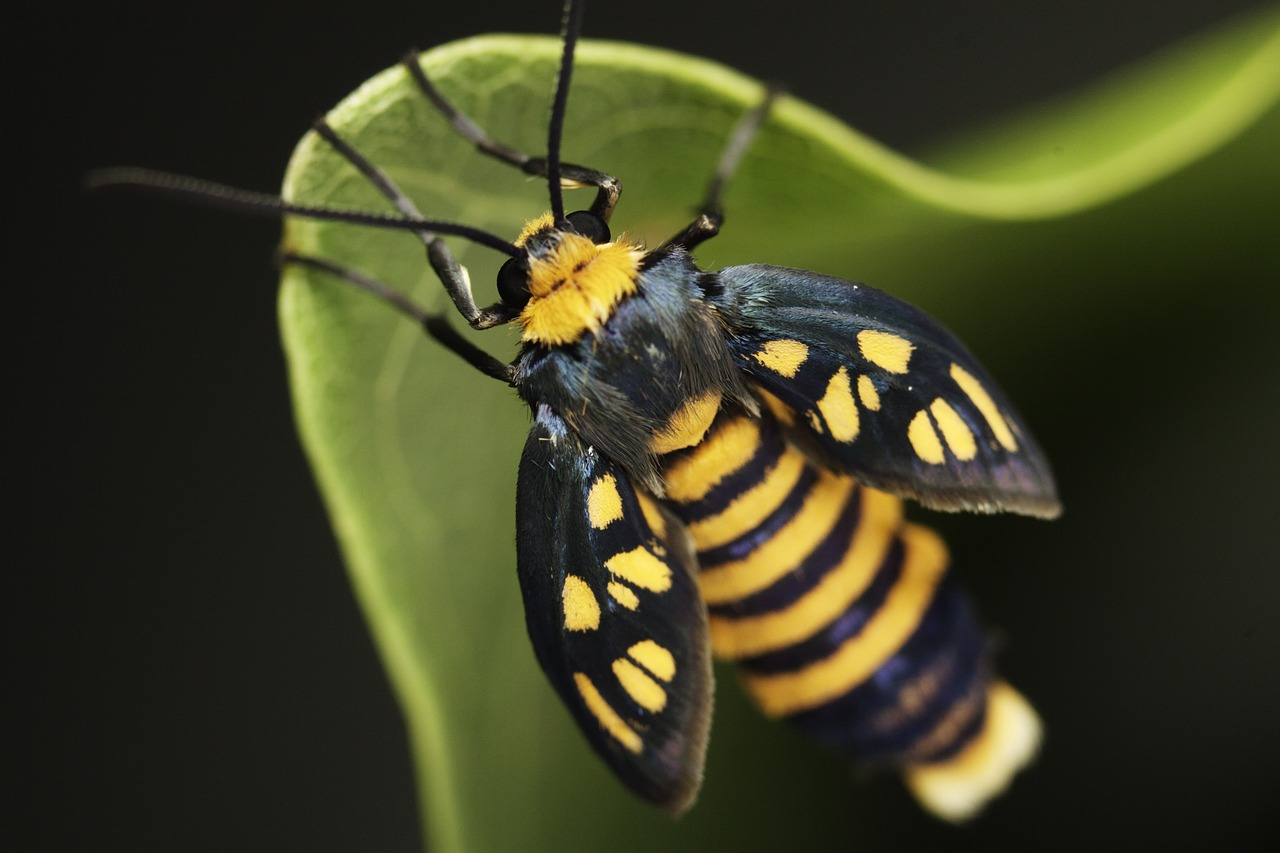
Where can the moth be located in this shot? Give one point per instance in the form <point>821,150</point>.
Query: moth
<point>717,467</point>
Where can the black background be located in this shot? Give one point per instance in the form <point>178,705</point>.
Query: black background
<point>190,670</point>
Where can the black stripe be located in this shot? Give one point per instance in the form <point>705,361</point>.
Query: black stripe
<point>949,639</point>
<point>744,545</point>
<point>847,625</point>
<point>812,568</point>
<point>971,729</point>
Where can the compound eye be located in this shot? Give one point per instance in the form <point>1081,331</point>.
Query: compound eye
<point>513,282</point>
<point>589,225</point>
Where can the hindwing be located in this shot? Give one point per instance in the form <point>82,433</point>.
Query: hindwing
<point>613,609</point>
<point>882,391</point>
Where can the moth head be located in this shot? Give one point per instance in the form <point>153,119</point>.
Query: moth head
<point>569,277</point>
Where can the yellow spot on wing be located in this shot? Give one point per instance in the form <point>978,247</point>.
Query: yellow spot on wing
<point>956,789</point>
<point>575,287</point>
<point>640,568</point>
<point>868,394</point>
<point>885,350</point>
<point>838,408</point>
<point>924,439</point>
<point>623,594</point>
<point>784,357</point>
<point>687,426</point>
<point>855,660</point>
<point>780,555</point>
<point>751,507</point>
<point>639,686</point>
<point>655,658</point>
<point>604,713</point>
<point>725,451</point>
<point>604,504</point>
<point>973,388</point>
<point>733,639</point>
<point>956,432</point>
<point>581,610</point>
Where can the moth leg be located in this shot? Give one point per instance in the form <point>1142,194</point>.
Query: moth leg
<point>434,324</point>
<point>451,273</point>
<point>608,188</point>
<point>710,214</point>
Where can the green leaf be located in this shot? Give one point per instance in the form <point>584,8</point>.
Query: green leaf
<point>1023,238</point>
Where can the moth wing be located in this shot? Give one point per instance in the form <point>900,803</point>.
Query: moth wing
<point>877,388</point>
<point>613,610</point>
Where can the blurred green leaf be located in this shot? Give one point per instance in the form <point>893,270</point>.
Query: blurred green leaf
<point>1026,239</point>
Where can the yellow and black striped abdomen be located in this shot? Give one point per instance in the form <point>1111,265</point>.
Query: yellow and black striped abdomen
<point>842,617</point>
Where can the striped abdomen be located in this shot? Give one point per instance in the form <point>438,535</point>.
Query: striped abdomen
<point>842,617</point>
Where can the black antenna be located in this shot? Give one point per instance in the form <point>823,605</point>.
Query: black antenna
<point>571,26</point>
<point>245,201</point>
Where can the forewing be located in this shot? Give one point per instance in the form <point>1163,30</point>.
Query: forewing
<point>881,390</point>
<point>614,613</point>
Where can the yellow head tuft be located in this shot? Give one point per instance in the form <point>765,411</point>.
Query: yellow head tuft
<point>533,226</point>
<point>575,285</point>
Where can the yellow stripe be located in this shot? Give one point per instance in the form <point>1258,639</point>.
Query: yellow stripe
<point>656,520</point>
<point>973,388</point>
<point>654,657</point>
<point>603,711</point>
<point>751,507</point>
<point>733,639</point>
<point>688,425</point>
<point>860,656</point>
<point>924,439</point>
<point>624,595</point>
<point>868,394</point>
<point>838,408</point>
<point>957,433</point>
<point>785,549</point>
<point>725,451</point>
<point>646,692</point>
<point>640,568</point>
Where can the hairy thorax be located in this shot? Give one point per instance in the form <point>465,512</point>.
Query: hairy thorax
<point>624,347</point>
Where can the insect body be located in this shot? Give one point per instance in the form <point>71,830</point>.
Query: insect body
<point>665,450</point>
<point>716,465</point>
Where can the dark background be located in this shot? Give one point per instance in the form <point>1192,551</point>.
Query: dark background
<point>190,670</point>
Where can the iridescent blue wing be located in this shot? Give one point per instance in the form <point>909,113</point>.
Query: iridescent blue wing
<point>613,609</point>
<point>877,388</point>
